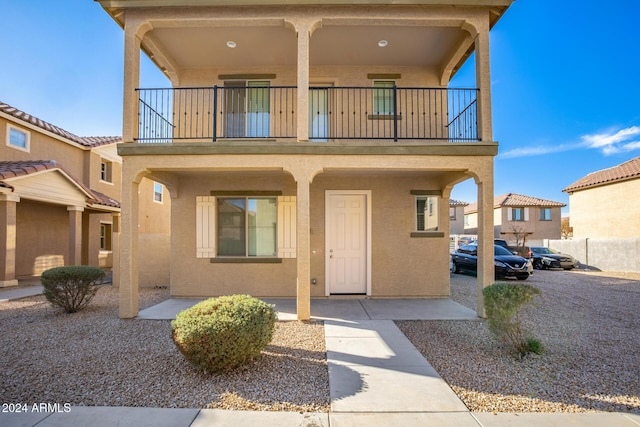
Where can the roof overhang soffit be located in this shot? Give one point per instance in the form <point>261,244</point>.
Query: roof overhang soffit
<point>142,22</point>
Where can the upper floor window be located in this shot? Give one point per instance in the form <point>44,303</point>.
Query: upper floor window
<point>18,138</point>
<point>545,214</point>
<point>158,192</point>
<point>106,171</point>
<point>466,220</point>
<point>426,213</point>
<point>518,214</point>
<point>452,213</point>
<point>383,97</point>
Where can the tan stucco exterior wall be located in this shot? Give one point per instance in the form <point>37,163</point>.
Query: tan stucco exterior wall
<point>197,277</point>
<point>154,226</point>
<point>538,229</point>
<point>42,237</point>
<point>606,212</point>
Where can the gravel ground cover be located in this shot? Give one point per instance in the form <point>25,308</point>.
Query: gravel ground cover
<point>93,358</point>
<point>589,324</point>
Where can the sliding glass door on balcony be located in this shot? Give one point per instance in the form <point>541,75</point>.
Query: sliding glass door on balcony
<point>246,112</point>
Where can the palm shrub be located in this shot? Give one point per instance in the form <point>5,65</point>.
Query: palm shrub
<point>220,334</point>
<point>503,303</point>
<point>71,287</point>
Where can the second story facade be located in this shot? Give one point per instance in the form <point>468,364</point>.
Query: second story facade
<point>297,106</point>
<point>521,219</point>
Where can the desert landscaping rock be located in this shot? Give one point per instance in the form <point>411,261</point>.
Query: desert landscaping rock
<point>589,326</point>
<point>588,322</point>
<point>93,358</point>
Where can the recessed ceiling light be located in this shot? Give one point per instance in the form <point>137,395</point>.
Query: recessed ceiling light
<point>383,43</point>
<point>231,44</point>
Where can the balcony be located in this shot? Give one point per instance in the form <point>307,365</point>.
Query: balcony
<point>262,112</point>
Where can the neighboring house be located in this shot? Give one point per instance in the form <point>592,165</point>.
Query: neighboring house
<point>58,196</point>
<point>456,216</point>
<point>309,149</point>
<point>520,219</point>
<point>59,199</point>
<point>605,203</point>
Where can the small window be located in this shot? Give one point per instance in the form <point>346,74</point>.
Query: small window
<point>517,214</point>
<point>426,213</point>
<point>158,192</point>
<point>452,213</point>
<point>105,171</point>
<point>105,237</point>
<point>545,214</point>
<point>466,220</point>
<point>383,97</point>
<point>18,138</point>
<point>247,226</point>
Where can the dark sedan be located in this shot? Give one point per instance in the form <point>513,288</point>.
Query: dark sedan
<point>465,258</point>
<point>544,258</point>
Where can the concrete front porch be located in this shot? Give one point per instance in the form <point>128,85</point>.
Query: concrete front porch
<point>339,309</point>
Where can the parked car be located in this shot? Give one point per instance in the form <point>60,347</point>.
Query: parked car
<point>465,258</point>
<point>544,258</point>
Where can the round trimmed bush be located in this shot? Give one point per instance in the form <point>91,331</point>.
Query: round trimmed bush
<point>71,287</point>
<point>220,334</point>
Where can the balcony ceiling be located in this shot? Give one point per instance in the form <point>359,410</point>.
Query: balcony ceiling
<point>206,47</point>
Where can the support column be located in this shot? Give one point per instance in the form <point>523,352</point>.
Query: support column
<point>303,252</point>
<point>486,268</point>
<point>483,81</point>
<point>128,256</point>
<point>8,204</point>
<point>75,235</point>
<point>131,82</point>
<point>115,248</point>
<point>304,35</point>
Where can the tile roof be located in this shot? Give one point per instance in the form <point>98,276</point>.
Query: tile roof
<point>624,171</point>
<point>454,202</point>
<point>14,169</point>
<point>86,141</point>
<point>518,200</point>
<point>513,199</point>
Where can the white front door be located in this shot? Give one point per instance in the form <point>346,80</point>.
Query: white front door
<point>347,243</point>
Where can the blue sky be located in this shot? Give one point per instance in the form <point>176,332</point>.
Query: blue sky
<point>565,83</point>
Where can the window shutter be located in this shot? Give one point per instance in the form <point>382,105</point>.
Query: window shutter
<point>510,214</point>
<point>205,227</point>
<point>287,226</point>
<point>526,214</point>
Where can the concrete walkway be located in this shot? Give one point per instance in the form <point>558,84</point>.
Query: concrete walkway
<point>376,378</point>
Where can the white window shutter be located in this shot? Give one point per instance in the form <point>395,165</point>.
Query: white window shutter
<point>205,227</point>
<point>287,226</point>
<point>526,214</point>
<point>510,214</point>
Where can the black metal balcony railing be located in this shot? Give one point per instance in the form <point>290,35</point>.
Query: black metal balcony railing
<point>212,113</point>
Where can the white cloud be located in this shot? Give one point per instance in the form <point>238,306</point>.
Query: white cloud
<point>613,141</point>
<point>535,151</point>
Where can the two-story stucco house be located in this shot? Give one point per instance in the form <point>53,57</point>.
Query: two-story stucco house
<point>520,219</point>
<point>605,203</point>
<point>58,196</point>
<point>309,148</point>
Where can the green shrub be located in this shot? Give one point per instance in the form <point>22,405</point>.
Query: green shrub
<point>71,287</point>
<point>503,303</point>
<point>220,334</point>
